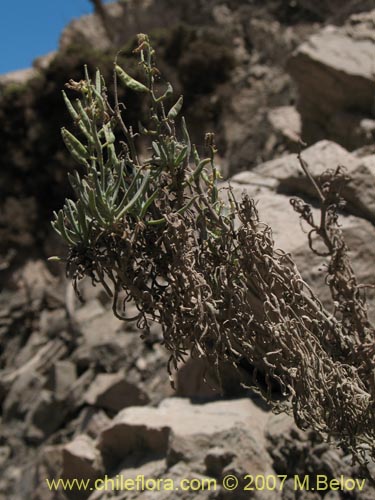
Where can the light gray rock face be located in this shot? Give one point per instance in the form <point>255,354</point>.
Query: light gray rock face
<point>180,440</point>
<point>321,156</point>
<point>334,71</point>
<point>286,123</point>
<point>324,155</point>
<point>151,429</point>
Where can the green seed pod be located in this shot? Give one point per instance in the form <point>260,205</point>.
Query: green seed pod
<point>69,105</point>
<point>181,156</point>
<point>98,82</point>
<point>173,112</point>
<point>84,116</point>
<point>75,147</point>
<point>129,82</point>
<point>186,137</point>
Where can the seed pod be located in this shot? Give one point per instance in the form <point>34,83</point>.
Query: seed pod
<point>54,258</point>
<point>129,82</point>
<point>84,116</point>
<point>75,147</point>
<point>98,83</point>
<point>69,105</point>
<point>186,137</point>
<point>173,112</point>
<point>181,156</point>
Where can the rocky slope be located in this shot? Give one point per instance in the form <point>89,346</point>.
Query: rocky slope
<point>81,394</point>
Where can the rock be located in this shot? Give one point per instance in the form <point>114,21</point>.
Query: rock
<point>18,77</point>
<point>126,20</point>
<point>353,130</point>
<point>249,144</point>
<point>216,459</point>
<point>92,422</point>
<point>22,395</point>
<point>359,192</point>
<point>197,380</point>
<point>89,311</point>
<point>52,322</point>
<point>334,74</point>
<point>5,453</point>
<point>48,466</point>
<point>320,157</point>
<point>43,62</point>
<point>108,353</point>
<point>258,182</point>
<point>62,378</point>
<point>194,379</point>
<point>77,391</point>
<point>81,459</point>
<point>45,416</point>
<point>97,324</point>
<point>188,449</point>
<point>286,123</point>
<point>78,459</point>
<point>41,362</point>
<point>146,473</point>
<point>113,392</point>
<point>332,495</point>
<point>150,428</point>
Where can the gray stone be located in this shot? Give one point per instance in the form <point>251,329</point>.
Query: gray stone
<point>81,459</point>
<point>22,395</point>
<point>45,416</point>
<point>320,157</point>
<point>62,378</point>
<point>5,452</point>
<point>112,391</point>
<point>138,428</point>
<point>286,122</point>
<point>334,71</point>
<point>216,459</point>
<point>359,193</point>
<point>92,422</point>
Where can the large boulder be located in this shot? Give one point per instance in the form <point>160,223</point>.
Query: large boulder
<point>325,155</point>
<point>151,429</point>
<point>334,72</point>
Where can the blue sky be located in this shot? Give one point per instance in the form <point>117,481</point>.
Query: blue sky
<point>31,28</point>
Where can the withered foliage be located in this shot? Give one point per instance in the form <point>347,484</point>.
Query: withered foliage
<point>160,233</point>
